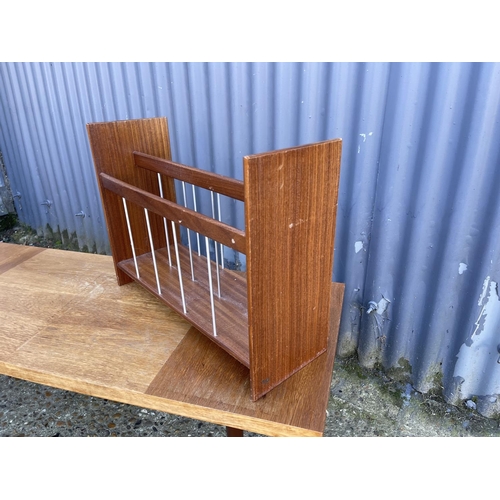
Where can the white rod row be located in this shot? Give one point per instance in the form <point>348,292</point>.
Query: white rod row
<point>152,251</point>
<point>209,266</point>
<point>188,233</point>
<point>179,267</point>
<point>220,220</point>
<point>131,238</point>
<point>165,224</point>
<point>196,209</point>
<point>215,248</point>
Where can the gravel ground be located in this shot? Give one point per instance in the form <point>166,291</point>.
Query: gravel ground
<point>362,402</point>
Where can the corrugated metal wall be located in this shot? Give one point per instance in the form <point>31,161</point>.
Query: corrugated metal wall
<point>419,213</point>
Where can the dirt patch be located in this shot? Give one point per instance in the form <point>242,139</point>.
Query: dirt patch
<point>14,231</point>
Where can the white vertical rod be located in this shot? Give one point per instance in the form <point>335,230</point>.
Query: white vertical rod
<point>209,262</point>
<point>165,224</point>
<point>189,237</point>
<point>131,238</point>
<point>152,250</point>
<point>195,209</point>
<point>178,267</point>
<point>220,220</point>
<point>215,248</point>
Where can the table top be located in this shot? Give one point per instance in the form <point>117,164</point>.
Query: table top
<point>67,324</point>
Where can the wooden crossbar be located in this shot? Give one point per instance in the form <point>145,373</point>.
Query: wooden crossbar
<point>218,231</point>
<point>214,182</point>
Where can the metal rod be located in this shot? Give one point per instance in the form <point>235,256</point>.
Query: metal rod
<point>195,209</point>
<point>220,220</point>
<point>131,238</point>
<point>179,267</point>
<point>189,237</point>
<point>215,248</point>
<point>165,224</point>
<point>152,250</point>
<point>209,266</point>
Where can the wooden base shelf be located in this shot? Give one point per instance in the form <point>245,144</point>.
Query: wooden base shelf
<point>230,309</point>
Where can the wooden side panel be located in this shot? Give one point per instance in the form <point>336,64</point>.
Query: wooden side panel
<point>113,145</point>
<point>290,211</point>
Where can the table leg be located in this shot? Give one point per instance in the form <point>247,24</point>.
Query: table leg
<point>232,432</point>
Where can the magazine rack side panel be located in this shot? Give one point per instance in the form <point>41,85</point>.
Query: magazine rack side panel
<point>113,145</point>
<point>290,210</point>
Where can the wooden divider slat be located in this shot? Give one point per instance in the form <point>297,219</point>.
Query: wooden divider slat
<point>218,231</point>
<point>208,180</point>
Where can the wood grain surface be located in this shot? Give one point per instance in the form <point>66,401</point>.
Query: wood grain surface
<point>66,324</point>
<point>290,213</point>
<point>113,145</point>
<point>199,372</point>
<point>230,309</point>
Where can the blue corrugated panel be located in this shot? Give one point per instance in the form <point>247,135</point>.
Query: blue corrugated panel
<point>418,219</point>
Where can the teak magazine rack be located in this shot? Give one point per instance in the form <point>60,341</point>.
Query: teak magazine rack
<point>274,318</point>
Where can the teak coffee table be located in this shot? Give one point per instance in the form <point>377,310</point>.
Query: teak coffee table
<point>66,324</point>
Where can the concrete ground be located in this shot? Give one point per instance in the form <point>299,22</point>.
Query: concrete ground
<point>362,403</point>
